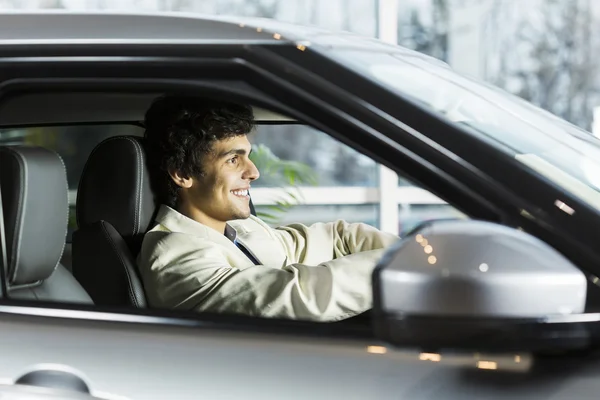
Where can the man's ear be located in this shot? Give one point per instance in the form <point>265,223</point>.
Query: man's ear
<point>180,180</point>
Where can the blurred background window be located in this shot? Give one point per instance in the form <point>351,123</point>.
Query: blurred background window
<point>308,176</point>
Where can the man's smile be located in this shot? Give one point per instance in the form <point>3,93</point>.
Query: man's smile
<point>243,193</point>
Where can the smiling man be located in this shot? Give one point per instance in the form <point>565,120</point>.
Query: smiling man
<point>208,253</point>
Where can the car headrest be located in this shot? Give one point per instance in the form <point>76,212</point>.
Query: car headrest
<point>36,208</point>
<point>115,187</point>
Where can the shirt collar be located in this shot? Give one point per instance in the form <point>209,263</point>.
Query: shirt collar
<point>230,233</point>
<point>174,221</point>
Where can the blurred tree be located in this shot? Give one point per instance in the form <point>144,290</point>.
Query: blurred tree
<point>261,8</point>
<point>348,170</point>
<point>554,63</point>
<point>249,8</point>
<point>174,5</point>
<point>544,51</point>
<point>427,33</point>
<point>281,173</point>
<point>51,4</point>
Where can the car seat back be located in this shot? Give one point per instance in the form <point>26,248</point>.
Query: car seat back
<point>35,208</point>
<point>115,207</point>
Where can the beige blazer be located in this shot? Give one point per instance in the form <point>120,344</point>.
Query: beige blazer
<point>320,272</point>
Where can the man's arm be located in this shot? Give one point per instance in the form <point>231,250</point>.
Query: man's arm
<point>182,271</point>
<point>332,240</point>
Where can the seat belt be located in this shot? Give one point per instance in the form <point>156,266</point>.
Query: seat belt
<point>246,252</point>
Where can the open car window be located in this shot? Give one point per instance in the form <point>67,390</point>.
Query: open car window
<point>306,177</point>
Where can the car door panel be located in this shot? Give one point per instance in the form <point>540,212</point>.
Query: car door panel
<point>139,361</point>
<point>156,362</point>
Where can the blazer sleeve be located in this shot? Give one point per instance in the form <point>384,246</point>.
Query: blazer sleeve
<point>187,272</point>
<point>324,241</point>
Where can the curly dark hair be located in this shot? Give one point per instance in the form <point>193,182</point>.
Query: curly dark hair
<point>180,130</point>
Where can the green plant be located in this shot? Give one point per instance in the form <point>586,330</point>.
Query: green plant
<point>288,175</point>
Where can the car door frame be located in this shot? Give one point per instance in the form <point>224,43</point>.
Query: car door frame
<point>254,74</point>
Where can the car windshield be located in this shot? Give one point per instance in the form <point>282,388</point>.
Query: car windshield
<point>554,148</point>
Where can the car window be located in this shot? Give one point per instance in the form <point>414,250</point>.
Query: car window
<point>306,176</point>
<point>318,178</point>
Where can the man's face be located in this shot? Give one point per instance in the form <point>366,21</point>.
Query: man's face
<point>221,194</point>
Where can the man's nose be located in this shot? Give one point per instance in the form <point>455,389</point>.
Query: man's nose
<point>252,172</point>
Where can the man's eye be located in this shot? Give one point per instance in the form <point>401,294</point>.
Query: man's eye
<point>233,160</point>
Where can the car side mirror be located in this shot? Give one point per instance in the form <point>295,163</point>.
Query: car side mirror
<point>469,284</point>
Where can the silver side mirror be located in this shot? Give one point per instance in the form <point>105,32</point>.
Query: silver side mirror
<point>451,280</point>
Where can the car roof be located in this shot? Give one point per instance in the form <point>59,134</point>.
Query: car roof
<point>43,26</point>
<point>60,26</point>
<point>52,27</point>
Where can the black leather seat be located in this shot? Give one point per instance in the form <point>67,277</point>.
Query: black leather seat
<point>115,208</point>
<point>35,206</point>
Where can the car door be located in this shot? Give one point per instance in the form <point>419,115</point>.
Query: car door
<point>149,358</point>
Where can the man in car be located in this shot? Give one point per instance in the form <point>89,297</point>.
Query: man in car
<point>208,253</point>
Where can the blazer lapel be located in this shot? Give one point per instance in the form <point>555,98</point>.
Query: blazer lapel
<point>177,222</point>
<point>254,238</point>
